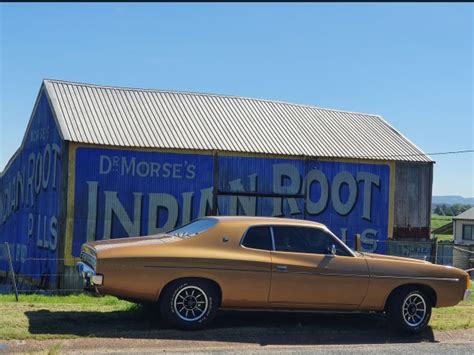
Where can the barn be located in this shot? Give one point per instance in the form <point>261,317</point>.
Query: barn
<point>100,162</point>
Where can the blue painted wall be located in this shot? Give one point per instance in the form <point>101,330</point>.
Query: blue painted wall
<point>349,198</point>
<point>118,193</point>
<point>30,199</point>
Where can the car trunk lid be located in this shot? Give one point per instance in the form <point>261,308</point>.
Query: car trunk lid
<point>133,241</point>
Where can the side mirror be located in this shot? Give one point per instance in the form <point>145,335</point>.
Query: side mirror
<point>333,250</point>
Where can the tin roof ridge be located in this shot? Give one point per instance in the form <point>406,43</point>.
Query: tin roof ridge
<point>196,93</point>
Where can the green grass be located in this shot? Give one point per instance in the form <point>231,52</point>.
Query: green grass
<point>61,317</point>
<point>444,238</point>
<point>80,299</point>
<point>56,317</point>
<point>457,317</point>
<point>439,221</point>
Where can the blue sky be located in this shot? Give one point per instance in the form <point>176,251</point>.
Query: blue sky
<point>411,63</point>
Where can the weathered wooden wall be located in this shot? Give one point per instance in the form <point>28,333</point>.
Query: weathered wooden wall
<point>413,187</point>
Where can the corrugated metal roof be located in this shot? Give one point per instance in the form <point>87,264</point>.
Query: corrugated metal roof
<point>163,119</point>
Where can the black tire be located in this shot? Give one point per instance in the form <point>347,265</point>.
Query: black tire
<point>408,310</point>
<point>185,311</point>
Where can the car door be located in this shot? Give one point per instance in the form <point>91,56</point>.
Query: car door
<point>250,287</point>
<point>304,272</point>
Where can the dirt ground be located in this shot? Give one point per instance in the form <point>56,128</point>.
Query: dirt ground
<point>236,331</point>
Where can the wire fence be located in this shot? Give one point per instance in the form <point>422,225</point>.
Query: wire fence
<point>46,275</point>
<point>27,275</point>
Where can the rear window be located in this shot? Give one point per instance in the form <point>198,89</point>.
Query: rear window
<point>193,228</point>
<point>258,238</point>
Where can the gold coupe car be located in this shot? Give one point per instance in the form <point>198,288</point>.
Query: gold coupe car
<point>266,263</point>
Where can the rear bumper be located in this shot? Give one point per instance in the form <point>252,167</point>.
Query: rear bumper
<point>89,276</point>
<point>467,295</point>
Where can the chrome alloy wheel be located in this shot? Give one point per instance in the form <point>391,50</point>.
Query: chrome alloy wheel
<point>414,309</point>
<point>190,303</point>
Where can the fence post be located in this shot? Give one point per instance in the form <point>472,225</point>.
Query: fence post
<point>11,270</point>
<point>357,245</point>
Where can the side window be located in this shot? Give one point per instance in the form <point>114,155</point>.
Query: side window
<point>305,240</point>
<point>258,238</point>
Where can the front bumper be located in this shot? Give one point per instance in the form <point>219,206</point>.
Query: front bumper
<point>467,295</point>
<point>89,276</point>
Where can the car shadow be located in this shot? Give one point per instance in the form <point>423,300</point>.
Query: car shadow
<point>255,327</point>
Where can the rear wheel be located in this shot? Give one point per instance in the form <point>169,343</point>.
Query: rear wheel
<point>409,310</point>
<point>189,304</point>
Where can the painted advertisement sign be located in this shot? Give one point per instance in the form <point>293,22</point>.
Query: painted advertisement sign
<point>128,193</point>
<point>350,198</point>
<point>30,199</point>
<point>120,193</point>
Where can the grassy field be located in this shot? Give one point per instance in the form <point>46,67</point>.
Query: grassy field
<point>53,317</point>
<point>439,221</point>
<point>460,316</point>
<point>61,317</point>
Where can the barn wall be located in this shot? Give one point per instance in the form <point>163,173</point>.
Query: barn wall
<point>30,201</point>
<point>56,195</point>
<point>120,192</point>
<point>413,184</point>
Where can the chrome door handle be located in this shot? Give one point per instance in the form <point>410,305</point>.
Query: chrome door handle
<point>281,267</point>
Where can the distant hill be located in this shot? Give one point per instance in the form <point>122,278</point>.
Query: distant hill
<point>452,199</point>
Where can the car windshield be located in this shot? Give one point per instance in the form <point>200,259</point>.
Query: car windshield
<point>193,228</point>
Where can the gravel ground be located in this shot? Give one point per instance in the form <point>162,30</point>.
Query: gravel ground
<point>453,345</point>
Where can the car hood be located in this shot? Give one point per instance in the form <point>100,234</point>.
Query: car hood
<point>395,258</point>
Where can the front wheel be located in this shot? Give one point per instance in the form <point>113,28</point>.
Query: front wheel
<point>189,304</point>
<point>409,310</point>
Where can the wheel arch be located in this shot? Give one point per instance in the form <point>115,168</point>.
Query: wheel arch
<point>212,282</point>
<point>429,291</point>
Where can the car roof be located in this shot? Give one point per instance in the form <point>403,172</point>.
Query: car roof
<point>249,220</point>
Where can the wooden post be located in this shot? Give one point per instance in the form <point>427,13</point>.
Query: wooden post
<point>435,245</point>
<point>357,245</point>
<point>11,270</point>
<point>215,184</point>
